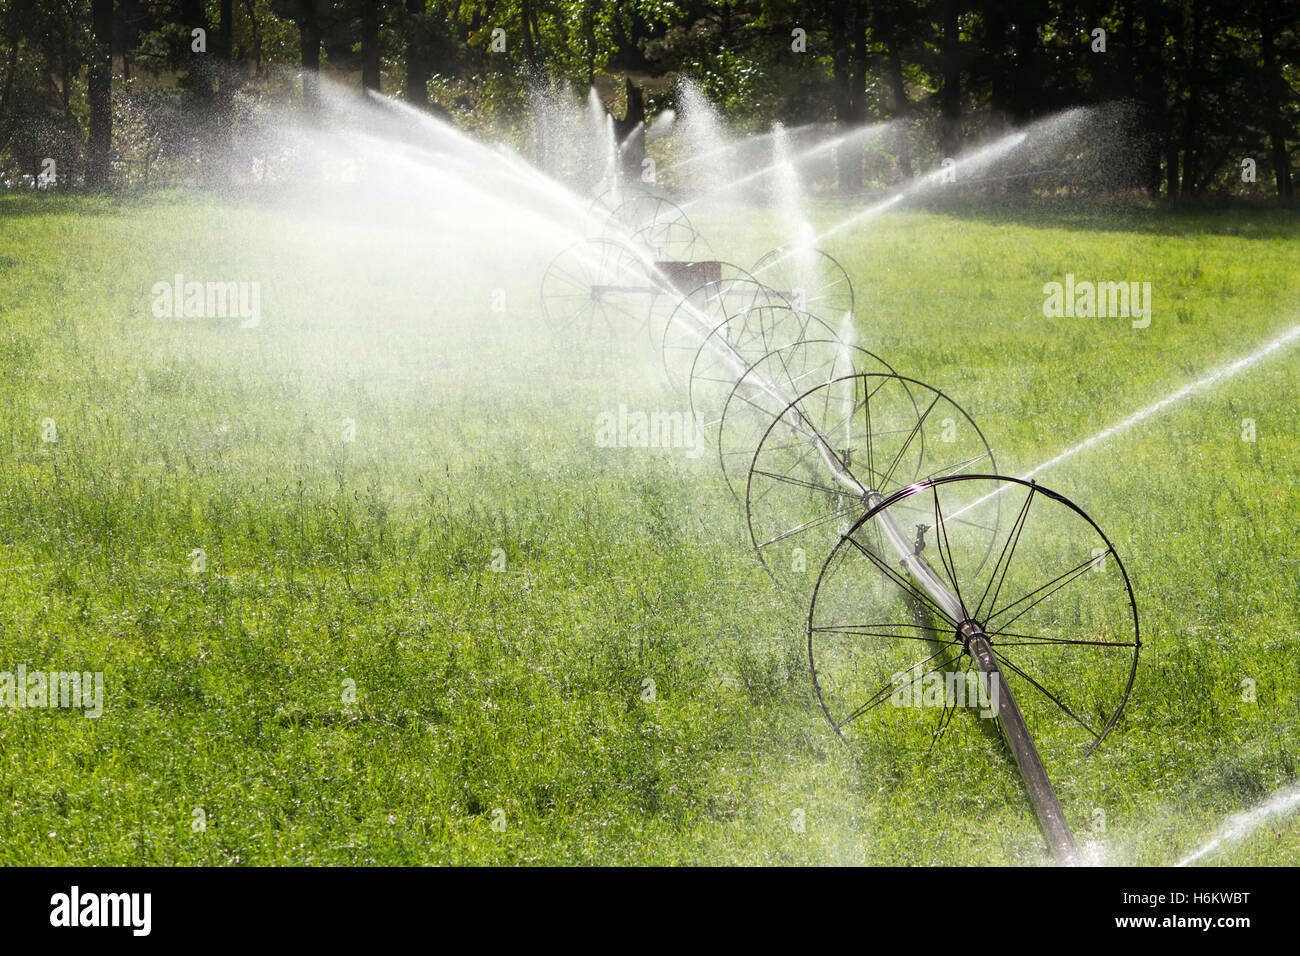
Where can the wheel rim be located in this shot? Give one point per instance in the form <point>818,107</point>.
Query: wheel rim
<point>702,310</point>
<point>732,347</point>
<point>579,300</point>
<point>1056,603</point>
<point>657,224</point>
<point>895,431</point>
<point>810,279</point>
<point>749,409</point>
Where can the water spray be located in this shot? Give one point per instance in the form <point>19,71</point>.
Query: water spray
<point>924,547</point>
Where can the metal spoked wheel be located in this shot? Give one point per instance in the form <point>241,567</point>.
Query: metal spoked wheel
<point>597,288</point>
<point>600,221</point>
<point>657,224</point>
<point>759,396</point>
<point>729,350</point>
<point>1055,602</point>
<point>883,431</point>
<point>715,302</point>
<point>809,279</point>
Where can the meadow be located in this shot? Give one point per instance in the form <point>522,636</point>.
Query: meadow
<point>364,589</point>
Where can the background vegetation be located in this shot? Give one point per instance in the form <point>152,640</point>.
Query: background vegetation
<point>106,86</point>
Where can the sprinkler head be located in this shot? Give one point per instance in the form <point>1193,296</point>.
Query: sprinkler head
<point>919,544</point>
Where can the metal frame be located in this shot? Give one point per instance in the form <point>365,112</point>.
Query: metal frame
<point>975,641</point>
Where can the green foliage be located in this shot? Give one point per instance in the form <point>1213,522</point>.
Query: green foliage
<point>1213,83</point>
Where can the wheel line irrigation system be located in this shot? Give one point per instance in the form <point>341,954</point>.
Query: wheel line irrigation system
<point>636,271</point>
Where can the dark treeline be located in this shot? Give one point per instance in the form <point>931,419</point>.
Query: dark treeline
<point>1209,84</point>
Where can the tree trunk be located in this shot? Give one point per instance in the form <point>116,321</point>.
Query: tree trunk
<point>119,44</point>
<point>950,94</point>
<point>67,85</point>
<point>1191,129</point>
<point>8,88</point>
<point>630,131</point>
<point>417,68</point>
<point>1130,35</point>
<point>999,79</point>
<point>841,90</point>
<point>857,103</point>
<point>309,44</point>
<point>257,38</point>
<point>530,31</point>
<point>370,78</point>
<point>226,32</point>
<point>901,108</point>
<point>223,113</point>
<point>589,40</point>
<point>101,91</point>
<point>198,76</point>
<point>1024,84</point>
<point>1171,167</point>
<point>1177,82</point>
<point>1275,89</point>
<point>1152,119</point>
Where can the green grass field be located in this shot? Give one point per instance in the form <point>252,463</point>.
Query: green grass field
<point>350,467</point>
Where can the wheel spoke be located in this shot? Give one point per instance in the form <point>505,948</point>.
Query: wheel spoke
<point>1013,538</point>
<point>923,599</point>
<point>887,691</point>
<point>800,483</point>
<point>799,529</point>
<point>915,431</point>
<point>1031,640</point>
<point>1003,659</point>
<point>857,630</point>
<point>1064,579</point>
<point>945,545</point>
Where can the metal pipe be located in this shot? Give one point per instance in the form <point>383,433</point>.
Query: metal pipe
<point>1047,808</point>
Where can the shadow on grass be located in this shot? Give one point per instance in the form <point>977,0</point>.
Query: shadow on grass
<point>28,204</point>
<point>1239,219</point>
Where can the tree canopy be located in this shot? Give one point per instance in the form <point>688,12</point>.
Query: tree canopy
<point>104,84</point>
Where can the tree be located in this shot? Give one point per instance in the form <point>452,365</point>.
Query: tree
<point>847,33</point>
<point>100,91</point>
<point>309,26</point>
<point>1276,93</point>
<point>1210,81</point>
<point>370,78</point>
<point>892,27</point>
<point>950,67</point>
<point>417,63</point>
